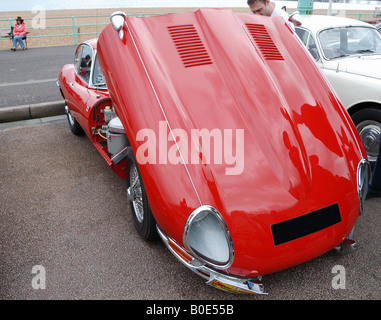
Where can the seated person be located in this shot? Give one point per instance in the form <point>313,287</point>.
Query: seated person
<point>19,33</point>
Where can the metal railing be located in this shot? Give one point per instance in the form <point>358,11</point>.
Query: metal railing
<point>76,29</point>
<point>370,17</point>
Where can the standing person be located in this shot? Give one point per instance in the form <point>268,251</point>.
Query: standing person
<point>269,9</point>
<point>19,33</point>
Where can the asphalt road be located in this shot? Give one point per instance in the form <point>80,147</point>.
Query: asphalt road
<point>29,77</point>
<point>62,208</point>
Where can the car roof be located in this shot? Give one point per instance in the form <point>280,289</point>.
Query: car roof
<point>320,22</point>
<point>92,43</point>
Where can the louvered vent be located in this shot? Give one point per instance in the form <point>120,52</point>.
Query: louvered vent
<point>264,42</point>
<point>189,46</point>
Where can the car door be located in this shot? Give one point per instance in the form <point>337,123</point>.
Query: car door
<point>80,84</point>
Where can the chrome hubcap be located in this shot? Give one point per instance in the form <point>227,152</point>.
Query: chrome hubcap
<point>370,135</point>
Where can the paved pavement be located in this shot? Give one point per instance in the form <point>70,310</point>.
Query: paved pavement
<point>29,77</point>
<point>28,82</point>
<point>62,208</point>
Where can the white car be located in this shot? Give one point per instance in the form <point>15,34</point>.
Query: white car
<point>349,53</point>
<point>378,27</point>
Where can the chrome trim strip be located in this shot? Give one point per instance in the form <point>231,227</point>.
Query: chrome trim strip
<point>233,283</point>
<point>363,165</point>
<point>120,155</point>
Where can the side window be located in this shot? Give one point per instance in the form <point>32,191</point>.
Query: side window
<point>312,48</point>
<point>302,34</point>
<point>97,77</point>
<point>84,62</point>
<point>308,41</point>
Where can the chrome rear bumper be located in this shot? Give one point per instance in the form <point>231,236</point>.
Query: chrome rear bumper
<point>214,278</point>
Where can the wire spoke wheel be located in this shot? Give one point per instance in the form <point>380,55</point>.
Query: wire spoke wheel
<point>144,221</point>
<point>136,191</point>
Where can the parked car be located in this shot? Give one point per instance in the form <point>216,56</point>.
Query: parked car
<point>378,27</point>
<point>235,150</point>
<point>349,53</point>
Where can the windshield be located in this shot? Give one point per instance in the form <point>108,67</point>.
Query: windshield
<point>97,79</point>
<point>341,42</point>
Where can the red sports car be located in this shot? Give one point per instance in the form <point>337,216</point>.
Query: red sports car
<point>236,151</point>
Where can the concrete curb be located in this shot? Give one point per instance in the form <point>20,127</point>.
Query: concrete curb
<point>32,111</point>
<point>32,122</point>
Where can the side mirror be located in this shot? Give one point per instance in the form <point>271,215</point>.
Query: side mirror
<point>117,20</point>
<point>294,18</point>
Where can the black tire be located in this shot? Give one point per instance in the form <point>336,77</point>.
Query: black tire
<point>144,221</point>
<point>75,127</point>
<point>368,122</point>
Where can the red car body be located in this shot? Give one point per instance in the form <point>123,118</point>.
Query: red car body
<point>298,189</point>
